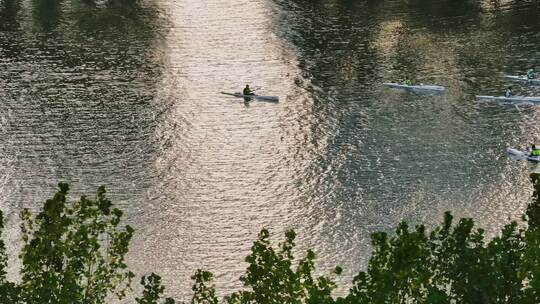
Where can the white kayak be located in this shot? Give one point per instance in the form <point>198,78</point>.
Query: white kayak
<point>522,79</point>
<point>533,99</point>
<point>425,87</point>
<point>521,155</point>
<point>259,97</point>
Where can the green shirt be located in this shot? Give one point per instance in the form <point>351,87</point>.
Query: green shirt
<point>407,82</point>
<point>530,74</point>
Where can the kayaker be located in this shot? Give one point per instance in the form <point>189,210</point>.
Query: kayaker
<point>530,73</point>
<point>407,82</point>
<point>508,92</point>
<point>248,91</point>
<point>534,151</point>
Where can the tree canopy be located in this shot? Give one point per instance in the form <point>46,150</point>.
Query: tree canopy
<point>74,252</point>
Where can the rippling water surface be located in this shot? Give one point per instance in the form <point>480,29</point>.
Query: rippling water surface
<point>129,97</point>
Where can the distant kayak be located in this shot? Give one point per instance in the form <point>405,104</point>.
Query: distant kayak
<point>521,155</point>
<point>424,87</point>
<point>522,79</point>
<point>259,97</point>
<point>532,99</point>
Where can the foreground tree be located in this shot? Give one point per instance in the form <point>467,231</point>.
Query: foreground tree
<point>74,253</point>
<point>454,263</point>
<point>271,276</point>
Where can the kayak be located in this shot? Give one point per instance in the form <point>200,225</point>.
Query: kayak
<point>522,79</point>
<point>519,155</point>
<point>534,99</point>
<point>259,97</point>
<point>415,87</point>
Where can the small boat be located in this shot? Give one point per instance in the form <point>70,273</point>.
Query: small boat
<point>532,99</point>
<point>258,97</point>
<point>421,87</point>
<point>523,79</point>
<point>521,155</point>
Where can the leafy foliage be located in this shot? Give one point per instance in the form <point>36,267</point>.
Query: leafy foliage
<point>152,290</point>
<point>72,253</point>
<point>454,264</point>
<point>75,253</point>
<point>271,277</point>
<point>532,215</point>
<point>202,293</point>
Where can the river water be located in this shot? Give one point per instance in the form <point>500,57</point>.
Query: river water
<point>128,97</point>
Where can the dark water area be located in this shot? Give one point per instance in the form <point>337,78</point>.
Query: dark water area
<point>127,96</point>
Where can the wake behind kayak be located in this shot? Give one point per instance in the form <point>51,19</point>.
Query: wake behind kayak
<point>530,99</point>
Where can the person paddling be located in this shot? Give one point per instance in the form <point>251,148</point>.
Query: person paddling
<point>531,73</point>
<point>407,82</point>
<point>508,92</point>
<point>534,151</point>
<point>248,91</point>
